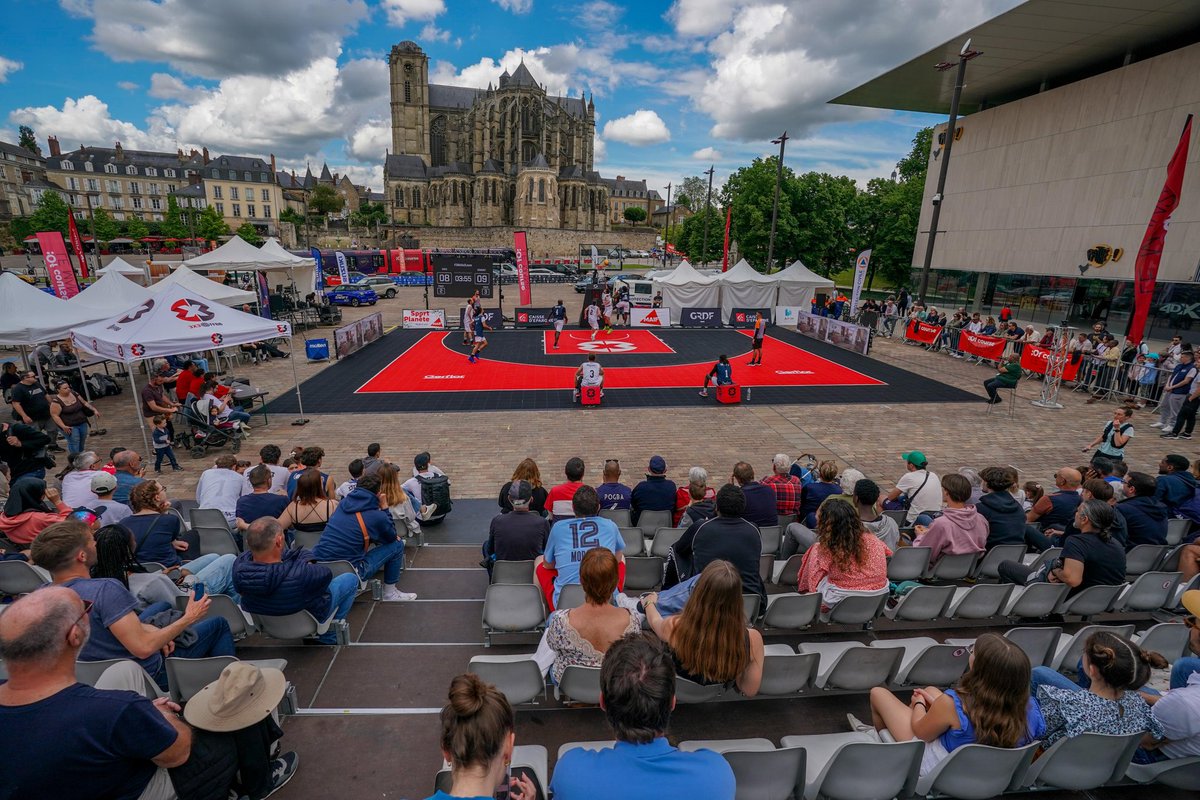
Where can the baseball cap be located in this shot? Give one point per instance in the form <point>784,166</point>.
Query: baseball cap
<point>916,458</point>
<point>658,465</point>
<point>520,492</point>
<point>103,482</point>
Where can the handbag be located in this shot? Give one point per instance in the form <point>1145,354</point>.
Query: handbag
<point>907,499</point>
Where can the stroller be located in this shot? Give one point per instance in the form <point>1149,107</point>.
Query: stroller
<point>201,435</point>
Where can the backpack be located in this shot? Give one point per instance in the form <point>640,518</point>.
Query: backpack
<point>436,490</point>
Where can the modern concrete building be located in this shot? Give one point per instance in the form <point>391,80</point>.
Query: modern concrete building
<point>1067,122</point>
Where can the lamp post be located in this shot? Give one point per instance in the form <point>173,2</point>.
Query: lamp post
<point>92,222</point>
<point>667,227</point>
<point>782,142</point>
<point>964,55</point>
<point>707,209</point>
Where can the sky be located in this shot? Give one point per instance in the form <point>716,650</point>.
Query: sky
<point>678,86</point>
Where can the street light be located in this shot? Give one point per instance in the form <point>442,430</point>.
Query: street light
<point>707,214</point>
<point>667,227</point>
<point>782,142</point>
<point>964,55</point>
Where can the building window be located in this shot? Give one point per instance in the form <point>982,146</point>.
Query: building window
<point>87,166</point>
<point>416,197</point>
<point>437,141</point>
<point>116,202</point>
<point>233,174</point>
<point>170,173</point>
<point>154,188</point>
<point>529,194</point>
<point>66,165</point>
<point>233,193</point>
<point>266,195</point>
<point>408,91</point>
<point>93,185</point>
<point>137,202</point>
<point>541,190</point>
<point>113,187</point>
<point>72,184</point>
<point>156,204</point>
<point>250,211</point>
<point>216,173</point>
<point>221,209</point>
<point>135,187</point>
<point>131,170</point>
<point>399,197</point>
<point>262,177</point>
<point>151,171</point>
<point>217,193</point>
<point>237,209</point>
<point>267,212</point>
<point>247,177</point>
<point>73,199</point>
<point>110,169</point>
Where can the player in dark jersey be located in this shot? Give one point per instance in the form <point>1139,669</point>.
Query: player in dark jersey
<point>721,374</point>
<point>480,341</point>
<point>558,315</point>
<point>760,331</point>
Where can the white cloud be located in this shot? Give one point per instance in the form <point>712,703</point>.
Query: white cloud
<point>598,15</point>
<point>700,17</point>
<point>87,120</point>
<point>707,154</point>
<point>515,6</point>
<point>400,12</point>
<point>128,86</point>
<point>564,69</point>
<point>8,66</point>
<point>433,33</point>
<point>168,87</point>
<point>599,151</point>
<point>642,127</point>
<point>371,141</point>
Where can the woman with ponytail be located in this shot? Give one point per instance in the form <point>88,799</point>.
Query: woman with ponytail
<point>477,742</point>
<point>1106,699</point>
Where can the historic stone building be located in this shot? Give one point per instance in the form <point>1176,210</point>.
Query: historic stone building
<point>507,155</point>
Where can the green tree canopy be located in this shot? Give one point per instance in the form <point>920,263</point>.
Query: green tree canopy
<point>50,215</point>
<point>324,200</point>
<point>136,228</point>
<point>250,233</point>
<point>28,140</point>
<point>288,215</point>
<point>210,224</point>
<point>693,191</point>
<point>689,235</point>
<point>173,223</point>
<point>635,214</point>
<point>369,214</point>
<point>107,228</point>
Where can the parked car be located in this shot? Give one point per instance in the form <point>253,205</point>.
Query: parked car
<point>336,279</point>
<point>382,284</point>
<point>352,294</point>
<point>23,276</point>
<point>542,272</point>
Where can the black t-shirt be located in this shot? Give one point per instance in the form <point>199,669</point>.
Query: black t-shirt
<point>729,539</point>
<point>33,400</point>
<point>518,536</point>
<point>1103,562</point>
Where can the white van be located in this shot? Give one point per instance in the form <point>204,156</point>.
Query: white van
<point>641,292</point>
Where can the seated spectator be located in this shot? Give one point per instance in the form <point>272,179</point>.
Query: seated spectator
<point>613,494</point>
<point>710,641</point>
<point>311,458</point>
<point>570,539</point>
<point>526,471</point>
<point>1145,516</point>
<point>1093,558</point>
<point>477,741</point>
<point>275,580</point>
<point>760,499</point>
<point>261,502</point>
<point>374,459</point>
<point>219,411</point>
<point>77,481</point>
<point>310,508</point>
<point>786,486</point>
<point>683,495</point>
<point>63,738</point>
<point>355,468</point>
<point>1176,711</point>
<point>866,501</point>
<point>637,691</point>
<point>976,484</point>
<point>400,505</point>
<point>519,535</point>
<point>919,490</point>
<point>30,508</point>
<point>560,497</point>
<point>1053,511</point>
<point>655,493</point>
<point>1094,488</point>
<point>220,486</point>
<point>115,559</point>
<point>68,552</point>
<point>991,706</point>
<point>960,529</point>
<point>846,559</point>
<point>581,636</point>
<point>268,457</point>
<point>1003,512</point>
<point>127,466</point>
<point>725,537</point>
<point>1106,698</point>
<point>110,511</point>
<point>363,516</point>
<point>423,467</point>
<point>701,500</point>
<point>187,385</point>
<point>1175,485</point>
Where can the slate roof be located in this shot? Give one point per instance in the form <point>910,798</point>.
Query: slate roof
<point>138,159</point>
<point>537,162</point>
<point>404,166</point>
<point>522,77</point>
<point>490,166</point>
<point>441,96</point>
<point>20,152</point>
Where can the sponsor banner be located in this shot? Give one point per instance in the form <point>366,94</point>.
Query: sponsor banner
<point>264,296</point>
<point>343,270</point>
<point>522,251</point>
<point>434,318</point>
<point>860,273</point>
<point>491,317</point>
<point>58,264</point>
<point>1037,359</point>
<point>845,335</point>
<point>700,318</point>
<point>346,340</point>
<point>318,274</point>
<point>922,332</point>
<point>462,275</point>
<point>650,317</point>
<point>77,244</point>
<point>989,347</point>
<point>370,328</point>
<point>744,317</point>
<point>788,316</point>
<point>533,317</point>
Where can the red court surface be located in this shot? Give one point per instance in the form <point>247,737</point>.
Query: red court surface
<point>431,365</point>
<point>620,341</point>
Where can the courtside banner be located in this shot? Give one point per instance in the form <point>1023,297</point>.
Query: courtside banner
<point>422,318</point>
<point>922,332</point>
<point>975,344</point>
<point>58,264</point>
<point>522,251</point>
<point>533,317</point>
<point>491,318</point>
<point>788,316</point>
<point>1037,359</point>
<point>744,317</point>
<point>700,318</point>
<point>650,317</point>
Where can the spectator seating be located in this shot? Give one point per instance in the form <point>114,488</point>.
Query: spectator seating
<point>186,676</point>
<point>512,572</point>
<point>621,516</point>
<point>664,539</point>
<point>651,521</point>
<point>512,608</point>
<point>89,672</point>
<point>20,577</point>
<point>643,574</point>
<point>761,771</point>
<point>518,676</point>
<point>1177,529</point>
<point>635,545</point>
<point>306,539</point>
<point>301,625</point>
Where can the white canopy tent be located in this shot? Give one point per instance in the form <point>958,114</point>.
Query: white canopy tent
<point>239,255</point>
<point>684,287</point>
<point>123,267</point>
<point>31,316</point>
<point>798,283</point>
<point>745,287</point>
<point>112,293</point>
<point>209,289</point>
<point>175,321</point>
<point>274,251</point>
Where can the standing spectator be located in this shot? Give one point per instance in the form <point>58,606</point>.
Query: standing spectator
<point>155,401</point>
<point>921,488</point>
<point>70,414</point>
<point>162,444</point>
<point>559,498</point>
<point>960,529</point>
<point>268,457</point>
<point>655,493</point>
<point>1175,390</point>
<point>219,487</point>
<point>31,507</point>
<point>127,466</point>
<point>1115,436</point>
<point>1185,421</point>
<point>726,537</point>
<point>1006,377</point>
<point>519,535</point>
<point>786,486</point>
<point>526,471</point>
<point>570,538</point>
<point>32,406</point>
<point>23,448</point>
<point>613,494</point>
<point>760,499</point>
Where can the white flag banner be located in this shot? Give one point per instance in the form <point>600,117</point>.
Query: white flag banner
<point>343,271</point>
<point>860,274</point>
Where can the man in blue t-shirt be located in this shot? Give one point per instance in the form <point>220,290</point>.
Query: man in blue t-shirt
<point>613,493</point>
<point>570,538</point>
<point>637,693</point>
<point>63,738</point>
<point>261,502</point>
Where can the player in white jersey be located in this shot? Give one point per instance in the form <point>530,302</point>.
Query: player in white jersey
<point>593,318</point>
<point>607,301</point>
<point>590,373</point>
<point>469,320</point>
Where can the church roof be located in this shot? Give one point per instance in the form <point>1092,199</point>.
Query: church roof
<point>537,162</point>
<point>571,172</point>
<point>522,77</point>
<point>491,166</point>
<point>452,96</point>
<point>399,165</point>
<point>325,174</point>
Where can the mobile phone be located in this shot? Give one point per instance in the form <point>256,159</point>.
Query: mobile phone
<point>199,589</point>
<point>502,791</point>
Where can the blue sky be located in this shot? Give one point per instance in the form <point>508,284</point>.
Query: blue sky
<point>677,85</point>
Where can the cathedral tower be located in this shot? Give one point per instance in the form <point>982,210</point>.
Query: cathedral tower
<point>408,68</point>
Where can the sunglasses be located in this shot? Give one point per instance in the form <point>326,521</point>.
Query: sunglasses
<point>87,609</point>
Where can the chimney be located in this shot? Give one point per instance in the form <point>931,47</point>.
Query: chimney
<point>272,166</point>
<point>620,177</point>
<point>206,158</point>
<point>193,179</point>
<point>193,154</point>
<point>179,153</point>
<point>55,149</point>
<point>120,152</point>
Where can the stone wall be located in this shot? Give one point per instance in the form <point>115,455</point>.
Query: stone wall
<point>542,241</point>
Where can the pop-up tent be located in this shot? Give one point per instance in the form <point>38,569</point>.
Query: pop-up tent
<point>172,322</point>
<point>123,267</point>
<point>273,251</point>
<point>745,287</point>
<point>112,293</point>
<point>31,316</point>
<point>684,287</point>
<point>210,290</point>
<point>797,284</point>
<point>236,254</point>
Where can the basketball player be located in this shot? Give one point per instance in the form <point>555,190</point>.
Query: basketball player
<point>590,373</point>
<point>593,318</point>
<point>607,301</point>
<point>558,315</point>
<point>722,371</point>
<point>623,306</point>
<point>760,331</point>
<point>480,341</point>
<point>469,318</point>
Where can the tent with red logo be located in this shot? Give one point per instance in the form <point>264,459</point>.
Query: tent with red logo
<point>684,287</point>
<point>111,294</point>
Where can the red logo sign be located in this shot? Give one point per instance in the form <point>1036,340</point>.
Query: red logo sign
<point>141,310</point>
<point>652,318</point>
<point>217,338</point>
<point>522,316</point>
<point>281,328</point>
<point>739,317</point>
<point>137,350</point>
<point>190,310</point>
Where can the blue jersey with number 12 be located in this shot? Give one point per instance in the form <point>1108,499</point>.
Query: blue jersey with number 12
<point>570,538</point>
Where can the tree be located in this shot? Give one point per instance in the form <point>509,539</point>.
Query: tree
<point>107,228</point>
<point>635,214</point>
<point>173,224</point>
<point>369,214</point>
<point>27,140</point>
<point>288,215</point>
<point>750,192</point>
<point>50,214</point>
<point>693,192</point>
<point>682,199</point>
<point>250,233</point>
<point>324,200</point>
<point>689,236</point>
<point>210,224</point>
<point>136,229</point>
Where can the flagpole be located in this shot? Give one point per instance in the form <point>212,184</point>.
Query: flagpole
<point>129,365</point>
<point>301,420</point>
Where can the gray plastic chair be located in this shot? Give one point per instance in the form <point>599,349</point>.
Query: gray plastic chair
<point>981,601</point>
<point>224,607</point>
<point>853,666</point>
<point>926,662</point>
<point>1170,562</point>
<point>20,577</point>
<point>643,573</point>
<point>1083,762</point>
<point>1069,649</point>
<point>518,676</point>
<point>791,611</point>
<point>1091,601</point>
<point>766,567</point>
<point>857,610</point>
<point>512,572</point>
<point>978,772</point>
<point>207,518</point>
<point>1178,773</point>
<point>635,545</point>
<point>1144,558</point>
<point>785,672</point>
<point>579,685</point>
<point>987,567</point>
<point>753,745</point>
<point>306,540</point>
<point>300,625</point>
<point>691,692</point>
<point>908,563</point>
<point>1168,638</point>
<point>186,676</point>
<point>783,520</point>
<point>772,537</point>
<point>750,604</point>
<point>853,766</point>
<point>921,604</point>
<point>663,539</point>
<point>1046,556</point>
<point>767,774</point>
<point>596,745</point>
<point>899,516</point>
<point>1037,643</point>
<point>789,574</point>
<point>1151,591</point>
<point>570,596</point>
<point>89,672</point>
<point>618,515</point>
<point>217,541</point>
<point>953,567</point>
<point>512,608</point>
<point>651,521</point>
<point>1036,600</point>
<point>1177,529</point>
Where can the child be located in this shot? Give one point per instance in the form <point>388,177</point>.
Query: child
<point>356,470</point>
<point>162,444</point>
<point>1033,492</point>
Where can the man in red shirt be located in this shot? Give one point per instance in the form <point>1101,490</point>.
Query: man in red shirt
<point>189,380</point>
<point>785,484</point>
<point>559,499</point>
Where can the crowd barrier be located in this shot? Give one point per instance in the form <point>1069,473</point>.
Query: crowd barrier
<point>351,338</point>
<point>847,335</point>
